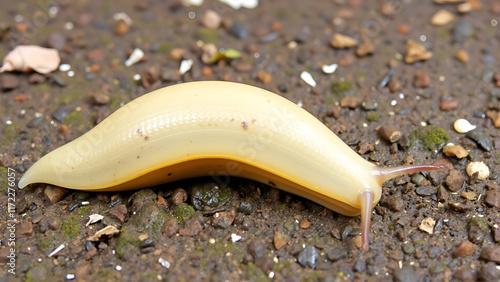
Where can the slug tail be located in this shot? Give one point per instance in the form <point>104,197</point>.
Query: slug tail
<point>366,201</point>
<point>385,173</point>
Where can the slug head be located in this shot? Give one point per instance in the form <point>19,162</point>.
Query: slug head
<point>366,197</point>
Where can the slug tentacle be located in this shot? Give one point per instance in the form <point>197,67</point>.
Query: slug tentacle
<point>366,201</point>
<point>382,174</point>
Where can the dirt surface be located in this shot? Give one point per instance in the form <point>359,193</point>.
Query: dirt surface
<point>427,227</point>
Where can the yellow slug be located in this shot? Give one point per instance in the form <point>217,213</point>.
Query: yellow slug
<point>219,128</point>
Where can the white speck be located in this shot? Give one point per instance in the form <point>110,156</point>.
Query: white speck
<point>211,241</point>
<point>85,203</point>
<point>18,18</point>
<point>22,112</point>
<point>8,122</point>
<point>118,268</point>
<point>236,4</point>
<point>71,73</point>
<point>235,237</point>
<point>68,25</point>
<point>53,11</point>
<point>365,125</point>
<point>494,23</point>
<point>39,260</point>
<point>423,38</point>
<point>328,69</point>
<point>185,66</point>
<point>137,77</point>
<point>463,126</point>
<point>401,96</point>
<point>135,57</point>
<point>271,274</point>
<point>64,67</point>
<point>275,259</point>
<point>292,44</point>
<point>123,17</point>
<point>58,249</point>
<point>113,252</point>
<point>93,218</point>
<point>307,77</point>
<point>70,276</point>
<point>299,103</point>
<point>164,263</point>
<point>192,2</point>
<point>423,123</point>
<point>394,102</point>
<point>191,15</point>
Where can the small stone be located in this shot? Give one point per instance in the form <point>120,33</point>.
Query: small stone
<point>170,227</point>
<point>95,55</point>
<point>489,271</point>
<point>448,105</point>
<point>493,199</point>
<point>427,225</point>
<point>468,195</point>
<point>337,254</point>
<point>494,116</point>
<point>389,133</point>
<point>178,53</point>
<point>455,151</point>
<point>54,223</point>
<point>239,31</point>
<point>304,223</point>
<point>36,78</point>
<point>243,67</point>
<point>224,219</point>
<point>426,191</point>
<point>359,266</point>
<point>462,56</point>
<point>460,207</point>
<point>56,40</point>
<point>442,17</point>
<point>481,138</point>
<point>421,79</point>
<point>480,167</point>
<point>264,76</point>
<point>179,196</point>
<point>192,228</point>
<point>395,204</point>
<point>280,240</point>
<point>308,257</point>
<point>119,213</point>
<point>464,8</point>
<point>347,60</point>
<point>246,208</point>
<point>307,78</point>
<point>211,19</point>
<point>454,180</point>
<point>100,99</point>
<point>442,194</point>
<point>462,30</point>
<point>90,253</point>
<point>329,69</point>
<point>350,102</point>
<point>491,254</point>
<point>366,48</point>
<point>477,229</point>
<point>256,249</point>
<point>394,85</point>
<point>463,126</point>
<point>24,229</point>
<point>340,41</point>
<point>463,274</point>
<point>54,193</point>
<point>405,274</point>
<point>9,81</point>
<point>464,249</point>
<point>416,52</point>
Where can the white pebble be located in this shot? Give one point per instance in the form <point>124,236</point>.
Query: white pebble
<point>192,2</point>
<point>123,17</point>
<point>235,237</point>
<point>93,218</point>
<point>427,225</point>
<point>58,249</point>
<point>70,276</point>
<point>236,4</point>
<point>135,57</point>
<point>329,69</point>
<point>480,167</point>
<point>307,77</point>
<point>64,67</point>
<point>463,126</point>
<point>185,66</point>
<point>164,263</point>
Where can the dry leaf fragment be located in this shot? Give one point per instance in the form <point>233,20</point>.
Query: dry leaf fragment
<point>106,232</point>
<point>26,58</point>
<point>93,218</point>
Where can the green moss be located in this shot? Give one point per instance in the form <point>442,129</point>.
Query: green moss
<point>341,88</point>
<point>150,217</point>
<point>45,243</point>
<point>219,249</point>
<point>72,95</point>
<point>431,137</point>
<point>391,227</point>
<point>372,116</point>
<point>41,88</point>
<point>85,210</point>
<point>209,194</point>
<point>254,273</point>
<point>165,47</point>
<point>4,184</point>
<point>283,206</point>
<point>419,242</point>
<point>36,273</point>
<point>182,212</point>
<point>115,101</point>
<point>74,118</point>
<point>126,239</point>
<point>10,133</point>
<point>208,35</point>
<point>497,158</point>
<point>70,227</point>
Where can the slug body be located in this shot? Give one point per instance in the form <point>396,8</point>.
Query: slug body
<point>218,128</point>
<point>25,58</point>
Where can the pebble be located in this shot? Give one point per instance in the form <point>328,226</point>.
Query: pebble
<point>364,49</point>
<point>36,78</point>
<point>442,17</point>
<point>427,225</point>
<point>119,213</point>
<point>307,78</point>
<point>404,29</point>
<point>54,223</point>
<point>329,69</point>
<point>426,190</point>
<point>448,105</point>
<point>455,151</point>
<point>462,30</point>
<point>463,274</point>
<point>304,223</point>
<point>56,40</point>
<point>340,41</point>
<point>395,204</point>
<point>280,240</point>
<point>308,257</point>
<point>459,207</point>
<point>178,53</point>
<point>264,76</point>
<point>489,271</point>
<point>179,196</point>
<point>463,126</point>
<point>454,180</point>
<point>54,193</point>
<point>394,85</point>
<point>416,52</point>
<point>462,56</point>
<point>493,199</point>
<point>256,249</point>
<point>347,60</point>
<point>337,254</point>
<point>491,254</point>
<point>480,167</point>
<point>9,81</point>
<point>389,133</point>
<point>59,80</point>
<point>494,116</point>
<point>192,228</point>
<point>243,67</point>
<point>421,79</point>
<point>224,219</point>
<point>100,99</point>
<point>95,55</point>
<point>464,249</point>
<point>480,138</point>
<point>24,229</point>
<point>477,229</point>
<point>122,23</point>
<point>170,227</point>
<point>211,19</point>
<point>239,31</point>
<point>350,102</point>
<point>246,208</point>
<point>360,266</point>
<point>405,274</point>
<point>90,253</point>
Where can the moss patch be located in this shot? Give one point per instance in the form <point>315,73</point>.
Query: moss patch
<point>70,227</point>
<point>207,35</point>
<point>431,137</point>
<point>182,212</point>
<point>74,118</point>
<point>126,239</point>
<point>150,217</point>
<point>211,195</point>
<point>4,184</point>
<point>341,88</point>
<point>45,243</point>
<point>84,210</point>
<point>372,116</point>
<point>10,133</point>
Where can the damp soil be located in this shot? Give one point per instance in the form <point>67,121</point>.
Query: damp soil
<point>427,227</point>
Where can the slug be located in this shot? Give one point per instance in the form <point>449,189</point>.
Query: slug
<point>219,128</point>
<point>26,58</point>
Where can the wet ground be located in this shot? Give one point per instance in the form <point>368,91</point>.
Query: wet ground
<point>398,67</point>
